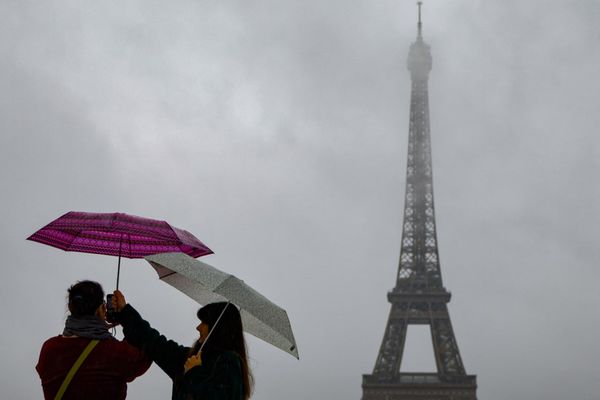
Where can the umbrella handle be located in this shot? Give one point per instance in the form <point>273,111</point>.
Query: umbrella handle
<point>213,328</point>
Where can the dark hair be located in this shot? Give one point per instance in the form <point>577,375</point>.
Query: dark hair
<point>227,335</point>
<point>84,298</point>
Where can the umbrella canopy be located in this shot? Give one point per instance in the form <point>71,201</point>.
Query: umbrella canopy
<point>207,284</point>
<point>117,234</point>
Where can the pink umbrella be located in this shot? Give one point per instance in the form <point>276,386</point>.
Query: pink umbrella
<point>117,234</point>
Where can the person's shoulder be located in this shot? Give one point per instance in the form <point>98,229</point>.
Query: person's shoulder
<point>116,343</point>
<point>121,349</point>
<point>54,339</point>
<point>58,340</point>
<point>230,364</point>
<point>61,344</point>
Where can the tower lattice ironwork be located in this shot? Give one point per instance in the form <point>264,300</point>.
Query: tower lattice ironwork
<point>419,296</point>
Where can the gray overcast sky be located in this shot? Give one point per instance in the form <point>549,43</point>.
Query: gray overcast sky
<point>276,131</point>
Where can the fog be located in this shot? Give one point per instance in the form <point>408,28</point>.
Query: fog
<point>277,133</point>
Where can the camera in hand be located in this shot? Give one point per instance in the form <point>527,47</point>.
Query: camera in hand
<point>110,311</point>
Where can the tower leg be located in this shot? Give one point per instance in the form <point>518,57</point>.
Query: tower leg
<point>388,361</point>
<point>445,348</point>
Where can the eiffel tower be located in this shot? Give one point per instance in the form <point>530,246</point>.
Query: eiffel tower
<point>419,296</point>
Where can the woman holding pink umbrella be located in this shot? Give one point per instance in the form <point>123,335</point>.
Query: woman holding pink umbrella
<point>86,361</point>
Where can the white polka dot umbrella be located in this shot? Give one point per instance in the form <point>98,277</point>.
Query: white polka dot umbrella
<point>206,284</point>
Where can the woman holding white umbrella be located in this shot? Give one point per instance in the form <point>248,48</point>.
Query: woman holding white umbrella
<point>218,372</point>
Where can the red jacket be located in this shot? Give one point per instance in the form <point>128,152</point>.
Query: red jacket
<point>103,375</point>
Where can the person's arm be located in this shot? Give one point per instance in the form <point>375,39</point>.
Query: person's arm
<point>167,354</point>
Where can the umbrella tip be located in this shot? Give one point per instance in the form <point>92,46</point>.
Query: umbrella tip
<point>294,352</point>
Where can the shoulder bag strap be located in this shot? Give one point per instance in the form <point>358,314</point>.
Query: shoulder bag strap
<point>88,349</point>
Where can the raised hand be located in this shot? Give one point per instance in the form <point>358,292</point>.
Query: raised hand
<point>118,301</point>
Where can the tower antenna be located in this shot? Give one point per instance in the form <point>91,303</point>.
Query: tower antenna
<point>419,3</point>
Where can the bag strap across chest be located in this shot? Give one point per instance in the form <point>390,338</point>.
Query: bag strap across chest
<point>86,352</point>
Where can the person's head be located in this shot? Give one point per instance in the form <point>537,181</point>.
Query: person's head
<point>226,335</point>
<point>86,298</point>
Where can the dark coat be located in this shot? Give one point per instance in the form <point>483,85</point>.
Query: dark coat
<point>218,378</point>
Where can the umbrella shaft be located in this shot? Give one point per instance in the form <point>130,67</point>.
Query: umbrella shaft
<point>118,270</point>
<point>119,262</point>
<point>214,326</point>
